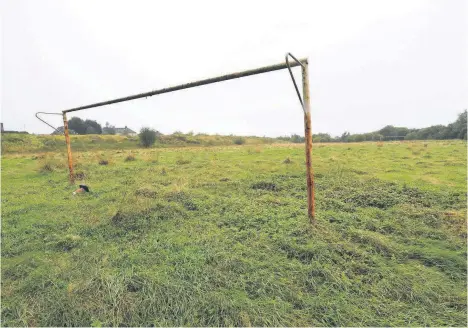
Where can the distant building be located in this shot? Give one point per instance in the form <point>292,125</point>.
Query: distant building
<point>119,131</point>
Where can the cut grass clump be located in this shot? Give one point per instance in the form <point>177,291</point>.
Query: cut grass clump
<point>146,192</point>
<point>256,150</point>
<point>48,165</point>
<point>182,198</point>
<point>183,161</point>
<point>67,243</point>
<point>265,185</point>
<point>36,157</point>
<point>80,175</point>
<point>141,221</point>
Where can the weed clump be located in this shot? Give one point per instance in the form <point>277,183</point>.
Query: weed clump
<point>48,165</point>
<point>287,161</point>
<point>80,175</point>
<point>130,158</point>
<point>264,185</point>
<point>103,162</point>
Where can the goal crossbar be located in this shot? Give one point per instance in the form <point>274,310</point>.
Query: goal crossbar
<point>221,78</point>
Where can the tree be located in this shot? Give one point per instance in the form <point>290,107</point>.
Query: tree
<point>125,131</point>
<point>458,128</point>
<point>344,137</point>
<point>110,130</point>
<point>95,125</point>
<point>77,124</point>
<point>81,127</point>
<point>147,137</point>
<point>321,137</point>
<point>357,138</point>
<point>297,138</point>
<point>91,130</point>
<point>411,136</point>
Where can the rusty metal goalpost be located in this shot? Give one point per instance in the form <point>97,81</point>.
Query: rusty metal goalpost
<point>304,100</point>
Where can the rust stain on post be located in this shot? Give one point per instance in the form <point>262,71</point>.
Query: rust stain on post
<point>67,140</point>
<point>308,144</point>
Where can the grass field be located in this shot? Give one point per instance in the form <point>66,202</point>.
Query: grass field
<point>219,236</point>
<point>26,143</point>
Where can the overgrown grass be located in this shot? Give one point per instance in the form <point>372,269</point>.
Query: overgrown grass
<point>224,239</point>
<point>20,143</point>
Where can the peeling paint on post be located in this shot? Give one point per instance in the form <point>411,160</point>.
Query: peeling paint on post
<point>67,140</point>
<point>308,143</point>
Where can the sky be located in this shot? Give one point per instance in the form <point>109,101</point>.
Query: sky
<point>371,63</point>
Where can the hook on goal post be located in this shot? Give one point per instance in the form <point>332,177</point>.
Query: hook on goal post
<point>292,76</point>
<point>40,119</point>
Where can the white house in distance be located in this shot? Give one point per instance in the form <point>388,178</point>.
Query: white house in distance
<point>125,131</point>
<point>119,131</point>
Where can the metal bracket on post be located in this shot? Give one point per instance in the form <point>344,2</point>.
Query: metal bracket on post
<point>292,76</point>
<point>305,102</point>
<point>40,119</point>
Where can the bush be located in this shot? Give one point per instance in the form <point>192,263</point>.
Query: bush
<point>239,141</point>
<point>147,137</point>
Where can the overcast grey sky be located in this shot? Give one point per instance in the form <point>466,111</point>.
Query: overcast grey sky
<point>372,63</point>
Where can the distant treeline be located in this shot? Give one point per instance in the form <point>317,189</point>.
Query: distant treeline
<point>455,130</point>
<point>20,132</point>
